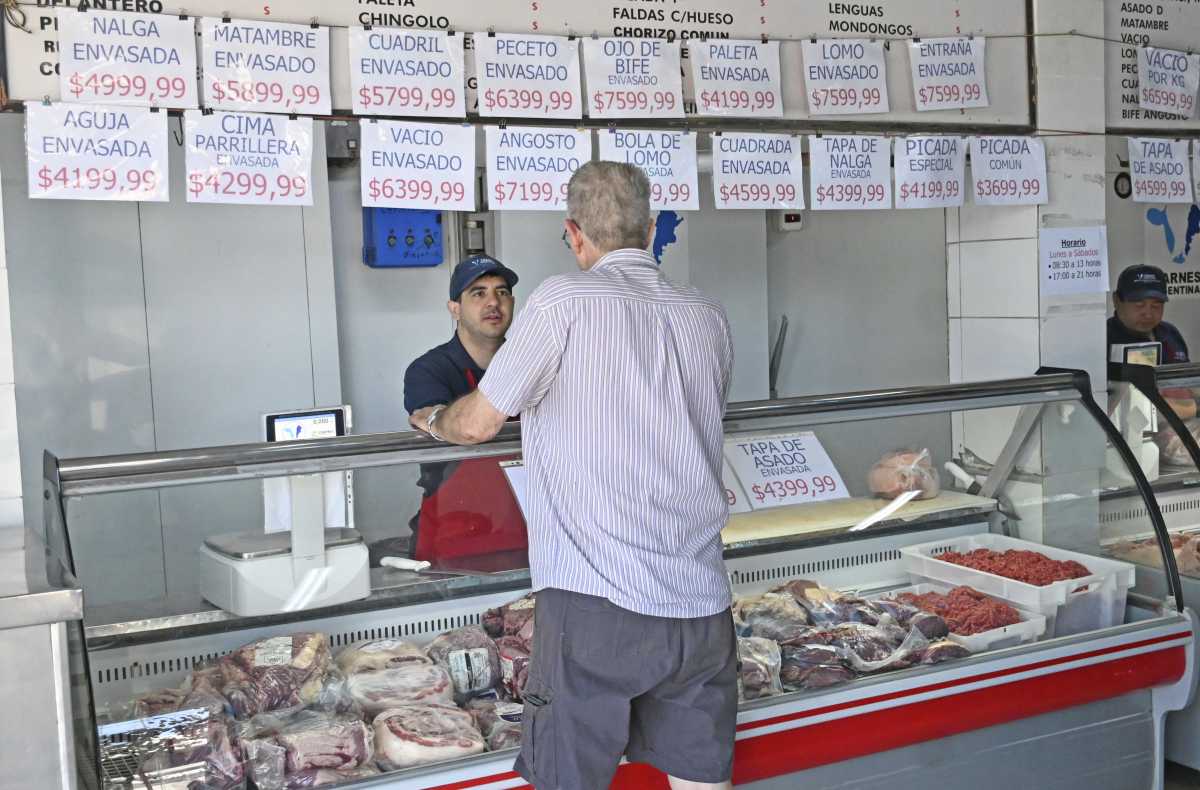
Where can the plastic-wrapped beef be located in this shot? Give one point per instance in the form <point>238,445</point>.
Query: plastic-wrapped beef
<point>498,721</point>
<point>829,607</point>
<point>771,616</point>
<point>470,657</point>
<point>407,684</point>
<point>901,471</point>
<point>209,744</point>
<point>322,777</point>
<point>419,734</point>
<point>877,648</point>
<point>513,619</point>
<point>280,746</point>
<point>929,624</point>
<point>1171,447</point>
<point>276,673</point>
<point>514,664</point>
<point>201,689</point>
<point>942,650</point>
<point>760,660</point>
<point>812,666</point>
<point>375,654</point>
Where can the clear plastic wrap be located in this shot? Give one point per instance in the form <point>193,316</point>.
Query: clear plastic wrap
<point>869,649</point>
<point>812,665</point>
<point>514,664</point>
<point>470,657</point>
<point>759,661</point>
<point>280,746</point>
<point>418,734</point>
<point>499,721</point>
<point>771,616</point>
<point>278,673</point>
<point>1171,447</point>
<point>209,743</point>
<point>374,654</point>
<point>408,684</point>
<point>901,471</point>
<point>514,619</point>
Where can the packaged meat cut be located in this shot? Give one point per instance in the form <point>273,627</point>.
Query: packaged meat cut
<point>870,649</point>
<point>275,673</point>
<point>418,734</point>
<point>373,654</point>
<point>901,471</point>
<point>965,610</point>
<point>760,661</point>
<point>942,650</point>
<point>209,744</point>
<point>470,657</point>
<point>1172,449</point>
<point>812,666</point>
<point>514,664</point>
<point>1030,567</point>
<point>201,689</point>
<point>771,616</point>
<point>498,721</point>
<point>513,619</point>
<point>1186,548</point>
<point>323,777</point>
<point>280,746</point>
<point>407,684</point>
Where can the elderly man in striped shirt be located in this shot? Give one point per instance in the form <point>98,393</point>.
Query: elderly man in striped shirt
<point>620,377</point>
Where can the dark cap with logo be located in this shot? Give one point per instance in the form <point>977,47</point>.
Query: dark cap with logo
<point>1142,282</point>
<point>475,267</point>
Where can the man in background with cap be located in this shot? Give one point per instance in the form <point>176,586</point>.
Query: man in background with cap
<point>1139,299</point>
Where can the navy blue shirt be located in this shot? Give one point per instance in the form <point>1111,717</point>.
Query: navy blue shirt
<point>1174,349</point>
<point>440,375</point>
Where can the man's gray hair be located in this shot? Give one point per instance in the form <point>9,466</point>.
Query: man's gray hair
<point>610,202</point>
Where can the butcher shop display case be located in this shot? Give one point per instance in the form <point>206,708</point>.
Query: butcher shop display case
<point>922,592</point>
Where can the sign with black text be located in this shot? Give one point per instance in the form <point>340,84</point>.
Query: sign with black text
<point>407,72</point>
<point>248,158</point>
<point>265,66</point>
<point>1073,260</point>
<point>845,76</point>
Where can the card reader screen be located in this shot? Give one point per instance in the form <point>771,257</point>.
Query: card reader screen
<point>308,426</point>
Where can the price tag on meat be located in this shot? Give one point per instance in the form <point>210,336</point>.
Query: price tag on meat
<point>418,165</point>
<point>930,171</point>
<point>1008,171</point>
<point>737,78</point>
<point>845,76</point>
<point>528,167</point>
<point>144,60</point>
<point>526,76</point>
<point>95,152</point>
<point>757,171</point>
<point>1168,81</point>
<point>849,172</point>
<point>633,78</point>
<point>407,72</point>
<point>735,495</point>
<point>784,469</point>
<point>1160,169</point>
<point>248,158</point>
<point>265,66</point>
<point>948,73</point>
<point>668,159</point>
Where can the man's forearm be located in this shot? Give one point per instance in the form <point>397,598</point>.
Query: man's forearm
<point>469,420</point>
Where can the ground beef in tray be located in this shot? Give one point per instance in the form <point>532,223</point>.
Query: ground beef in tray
<point>1024,566</point>
<point>965,610</point>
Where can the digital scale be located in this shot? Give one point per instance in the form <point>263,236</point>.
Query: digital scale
<point>308,554</point>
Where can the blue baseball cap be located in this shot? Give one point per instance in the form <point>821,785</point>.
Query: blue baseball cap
<point>473,268</point>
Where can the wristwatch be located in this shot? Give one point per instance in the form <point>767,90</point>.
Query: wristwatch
<point>430,420</point>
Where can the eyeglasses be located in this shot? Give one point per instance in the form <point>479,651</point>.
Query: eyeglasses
<point>566,241</point>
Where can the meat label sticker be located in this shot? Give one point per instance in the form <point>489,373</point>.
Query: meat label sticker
<point>736,78</point>
<point>756,171</point>
<point>528,167</point>
<point>1008,171</point>
<point>633,78</point>
<point>471,670</point>
<point>144,60</point>
<point>248,158</point>
<point>94,152</point>
<point>1073,260</point>
<point>275,652</point>
<point>849,172</point>
<point>1160,169</point>
<point>265,66</point>
<point>407,72</point>
<point>527,76</point>
<point>845,76</point>
<point>510,712</point>
<point>784,469</point>
<point>1168,81</point>
<point>418,165</point>
<point>948,73</point>
<point>930,171</point>
<point>668,158</point>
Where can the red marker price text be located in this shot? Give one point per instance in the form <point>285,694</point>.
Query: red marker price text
<point>98,180</point>
<point>227,183</point>
<point>127,86</point>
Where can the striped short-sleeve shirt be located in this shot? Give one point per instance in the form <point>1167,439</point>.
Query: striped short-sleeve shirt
<point>620,377</point>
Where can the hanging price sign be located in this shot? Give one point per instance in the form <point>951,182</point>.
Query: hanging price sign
<point>668,159</point>
<point>930,171</point>
<point>528,167</point>
<point>95,152</point>
<point>1008,171</point>
<point>248,158</point>
<point>527,76</point>
<point>734,494</point>
<point>144,60</point>
<point>418,165</point>
<point>757,171</point>
<point>1160,170</point>
<point>784,469</point>
<point>948,73</point>
<point>845,76</point>
<point>265,66</point>
<point>849,172</point>
<point>737,78</point>
<point>406,72</point>
<point>1168,81</point>
<point>633,78</point>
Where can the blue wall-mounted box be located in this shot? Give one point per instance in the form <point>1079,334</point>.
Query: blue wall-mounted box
<point>400,237</point>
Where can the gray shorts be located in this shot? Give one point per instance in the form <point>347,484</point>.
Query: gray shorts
<point>606,681</point>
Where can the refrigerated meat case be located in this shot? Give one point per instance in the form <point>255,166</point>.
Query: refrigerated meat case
<point>1078,710</point>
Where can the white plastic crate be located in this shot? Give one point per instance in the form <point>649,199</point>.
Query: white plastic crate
<point>1073,606</point>
<point>1031,627</point>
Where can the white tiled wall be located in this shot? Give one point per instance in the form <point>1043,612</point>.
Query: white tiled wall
<point>999,278</point>
<point>11,513</point>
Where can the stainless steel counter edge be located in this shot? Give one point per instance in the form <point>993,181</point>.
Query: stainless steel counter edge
<point>28,596</point>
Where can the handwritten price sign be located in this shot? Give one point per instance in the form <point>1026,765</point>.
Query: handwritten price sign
<point>754,171</point>
<point>784,469</point>
<point>850,172</point>
<point>930,171</point>
<point>528,167</point>
<point>143,60</point>
<point>845,76</point>
<point>668,159</point>
<point>1168,81</point>
<point>633,78</point>
<point>527,76</point>
<point>1008,171</point>
<point>248,158</point>
<point>94,152</point>
<point>737,78</point>
<point>1160,170</point>
<point>418,165</point>
<point>265,66</point>
<point>948,73</point>
<point>406,72</point>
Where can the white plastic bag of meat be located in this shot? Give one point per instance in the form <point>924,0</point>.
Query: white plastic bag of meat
<point>375,654</point>
<point>470,657</point>
<point>407,684</point>
<point>280,746</point>
<point>760,662</point>
<point>901,471</point>
<point>418,734</point>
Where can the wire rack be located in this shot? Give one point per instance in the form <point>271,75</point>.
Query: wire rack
<point>126,747</point>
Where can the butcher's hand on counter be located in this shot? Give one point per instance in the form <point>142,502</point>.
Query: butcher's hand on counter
<point>469,420</point>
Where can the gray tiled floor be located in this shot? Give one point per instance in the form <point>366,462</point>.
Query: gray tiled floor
<point>1180,778</point>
